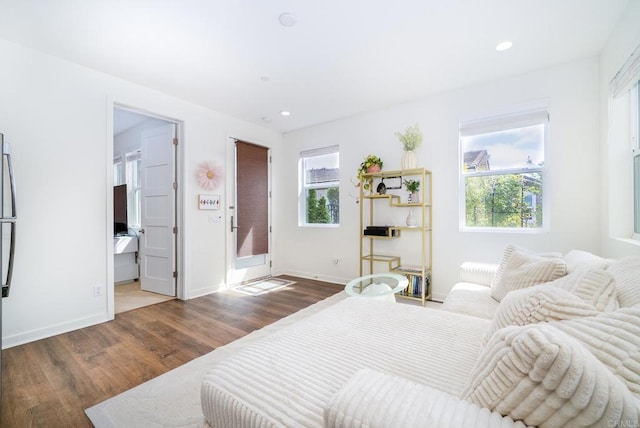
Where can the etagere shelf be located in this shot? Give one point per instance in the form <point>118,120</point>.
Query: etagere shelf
<point>380,247</point>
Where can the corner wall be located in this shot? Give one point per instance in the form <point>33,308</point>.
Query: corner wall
<point>58,117</point>
<point>572,91</point>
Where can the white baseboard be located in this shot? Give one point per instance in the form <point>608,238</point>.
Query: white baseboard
<point>53,330</point>
<point>319,277</point>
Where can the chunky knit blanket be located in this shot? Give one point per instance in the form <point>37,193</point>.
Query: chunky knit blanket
<point>288,378</point>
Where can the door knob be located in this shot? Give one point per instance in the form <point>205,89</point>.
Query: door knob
<point>232,226</point>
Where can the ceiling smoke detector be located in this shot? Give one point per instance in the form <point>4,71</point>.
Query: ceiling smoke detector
<point>288,19</point>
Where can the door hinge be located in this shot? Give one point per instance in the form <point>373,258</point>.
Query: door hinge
<point>270,229</point>
<point>175,186</point>
<point>175,141</point>
<point>175,229</point>
<point>175,274</point>
<point>269,193</point>
<point>270,159</point>
<point>270,263</point>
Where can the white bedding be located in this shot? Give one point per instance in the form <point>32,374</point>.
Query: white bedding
<point>287,378</point>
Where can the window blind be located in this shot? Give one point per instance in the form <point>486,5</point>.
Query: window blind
<point>534,116</point>
<point>628,74</point>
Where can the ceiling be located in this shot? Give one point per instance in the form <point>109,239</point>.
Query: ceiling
<point>341,57</point>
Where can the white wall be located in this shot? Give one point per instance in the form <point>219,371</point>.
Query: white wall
<point>58,117</point>
<point>573,186</point>
<point>617,173</point>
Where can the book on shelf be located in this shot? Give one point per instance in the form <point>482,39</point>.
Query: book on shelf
<point>415,286</point>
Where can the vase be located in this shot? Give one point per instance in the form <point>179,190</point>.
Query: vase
<point>414,197</point>
<point>411,220</point>
<point>374,168</point>
<point>409,160</point>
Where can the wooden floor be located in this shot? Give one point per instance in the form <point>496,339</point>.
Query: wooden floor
<point>50,382</point>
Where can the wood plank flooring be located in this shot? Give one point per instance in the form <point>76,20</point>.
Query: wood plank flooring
<point>50,382</point>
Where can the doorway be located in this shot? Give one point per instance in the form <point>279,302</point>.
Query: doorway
<point>145,170</point>
<point>249,184</point>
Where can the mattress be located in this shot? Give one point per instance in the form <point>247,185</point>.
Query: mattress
<point>287,378</point>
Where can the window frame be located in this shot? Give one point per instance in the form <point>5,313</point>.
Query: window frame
<point>303,186</point>
<point>634,132</point>
<point>133,163</point>
<point>533,115</point>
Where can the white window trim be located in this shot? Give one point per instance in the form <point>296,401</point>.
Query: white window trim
<point>635,149</point>
<point>622,210</point>
<point>301,188</point>
<point>534,114</point>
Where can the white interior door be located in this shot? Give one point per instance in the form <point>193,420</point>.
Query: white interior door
<point>248,260</point>
<point>157,238</point>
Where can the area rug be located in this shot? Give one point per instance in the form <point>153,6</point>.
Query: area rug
<point>173,399</point>
<point>263,286</point>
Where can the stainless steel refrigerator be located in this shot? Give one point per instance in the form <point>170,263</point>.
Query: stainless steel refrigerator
<point>7,227</point>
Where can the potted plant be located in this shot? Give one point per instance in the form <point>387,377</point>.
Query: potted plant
<point>411,139</point>
<point>370,164</point>
<point>412,187</point>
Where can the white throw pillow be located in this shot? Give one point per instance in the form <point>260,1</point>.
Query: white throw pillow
<point>614,339</point>
<point>579,259</point>
<point>626,272</point>
<point>545,378</point>
<point>520,269</point>
<point>595,286</point>
<point>541,303</point>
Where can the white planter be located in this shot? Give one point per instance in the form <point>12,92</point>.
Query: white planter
<point>409,160</point>
<point>411,220</point>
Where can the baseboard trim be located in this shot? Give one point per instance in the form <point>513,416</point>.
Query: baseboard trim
<point>54,330</point>
<point>307,275</point>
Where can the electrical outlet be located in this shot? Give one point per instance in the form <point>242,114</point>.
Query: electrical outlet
<point>98,290</point>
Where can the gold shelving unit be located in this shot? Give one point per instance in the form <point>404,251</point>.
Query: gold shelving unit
<point>373,254</point>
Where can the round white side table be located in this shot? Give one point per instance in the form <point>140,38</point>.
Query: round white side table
<point>379,286</point>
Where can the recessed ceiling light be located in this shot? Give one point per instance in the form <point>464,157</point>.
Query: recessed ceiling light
<point>503,46</point>
<point>266,119</point>
<point>285,113</point>
<point>265,79</point>
<point>288,19</point>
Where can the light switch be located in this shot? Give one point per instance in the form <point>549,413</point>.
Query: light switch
<point>216,218</point>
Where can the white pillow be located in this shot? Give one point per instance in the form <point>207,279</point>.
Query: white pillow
<point>614,339</point>
<point>521,269</point>
<point>593,285</point>
<point>579,259</point>
<point>541,303</point>
<point>545,378</point>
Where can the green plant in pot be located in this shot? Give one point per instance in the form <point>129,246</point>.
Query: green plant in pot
<point>370,164</point>
<point>411,139</point>
<point>412,187</point>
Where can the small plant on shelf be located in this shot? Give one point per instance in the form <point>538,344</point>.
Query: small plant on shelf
<point>371,163</point>
<point>412,186</point>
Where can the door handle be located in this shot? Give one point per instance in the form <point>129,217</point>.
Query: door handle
<point>6,152</point>
<point>141,230</point>
<point>232,226</point>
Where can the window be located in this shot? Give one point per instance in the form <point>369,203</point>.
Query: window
<point>635,154</point>
<point>127,171</point>
<point>319,177</point>
<point>118,171</point>
<point>502,170</point>
<point>134,187</point>
<point>624,150</point>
